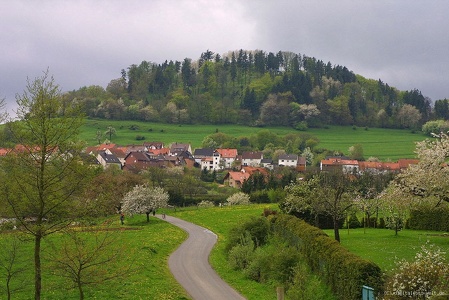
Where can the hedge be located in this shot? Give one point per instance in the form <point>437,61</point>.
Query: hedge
<point>429,218</point>
<point>343,271</point>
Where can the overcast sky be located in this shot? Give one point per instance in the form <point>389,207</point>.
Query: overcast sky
<point>405,43</point>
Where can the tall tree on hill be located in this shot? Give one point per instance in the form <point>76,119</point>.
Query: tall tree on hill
<point>43,178</point>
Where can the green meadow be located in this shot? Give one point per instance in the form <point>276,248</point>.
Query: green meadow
<point>148,246</point>
<point>386,144</point>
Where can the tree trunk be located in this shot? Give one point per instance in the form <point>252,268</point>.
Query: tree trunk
<point>336,229</point>
<point>37,266</point>
<point>148,216</point>
<point>80,289</point>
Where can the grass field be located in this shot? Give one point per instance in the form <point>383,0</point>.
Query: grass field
<point>382,247</point>
<point>148,246</point>
<point>386,144</point>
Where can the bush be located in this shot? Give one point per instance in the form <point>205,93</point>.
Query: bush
<point>307,286</point>
<point>354,221</point>
<point>259,197</point>
<point>258,229</point>
<point>240,256</point>
<point>206,203</point>
<point>238,198</point>
<point>427,275</point>
<point>140,137</point>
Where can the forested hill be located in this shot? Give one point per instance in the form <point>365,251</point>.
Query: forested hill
<point>253,88</point>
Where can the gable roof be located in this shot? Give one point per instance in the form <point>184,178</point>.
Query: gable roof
<point>176,148</point>
<point>228,153</point>
<point>109,158</point>
<point>238,176</point>
<point>153,145</point>
<point>252,155</point>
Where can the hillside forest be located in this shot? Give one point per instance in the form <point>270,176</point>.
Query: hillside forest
<point>258,89</point>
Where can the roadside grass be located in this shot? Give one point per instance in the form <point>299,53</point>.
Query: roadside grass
<point>220,220</point>
<point>385,144</point>
<point>148,246</point>
<point>384,248</point>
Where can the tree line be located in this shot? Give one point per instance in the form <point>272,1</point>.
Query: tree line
<point>253,88</point>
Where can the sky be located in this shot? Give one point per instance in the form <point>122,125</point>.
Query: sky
<point>88,42</point>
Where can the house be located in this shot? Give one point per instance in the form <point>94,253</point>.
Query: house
<point>120,154</point>
<point>288,160</point>
<point>153,145</point>
<point>154,153</point>
<point>405,163</point>
<point>208,159</point>
<point>252,158</point>
<point>108,160</point>
<point>302,164</point>
<point>134,148</point>
<point>177,148</point>
<point>267,163</point>
<point>376,167</point>
<point>228,157</point>
<point>137,158</point>
<point>236,179</point>
<point>336,163</point>
<point>4,151</point>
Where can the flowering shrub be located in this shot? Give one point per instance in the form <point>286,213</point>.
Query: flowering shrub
<point>423,278</point>
<point>238,198</point>
<point>206,203</point>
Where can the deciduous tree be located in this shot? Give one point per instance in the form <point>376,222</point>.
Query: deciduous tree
<point>143,200</point>
<point>430,176</point>
<point>43,176</point>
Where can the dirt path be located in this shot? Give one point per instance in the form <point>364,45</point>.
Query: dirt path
<point>190,264</point>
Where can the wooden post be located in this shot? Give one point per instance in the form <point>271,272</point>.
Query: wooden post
<point>280,293</point>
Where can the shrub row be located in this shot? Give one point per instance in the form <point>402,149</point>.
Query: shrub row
<point>429,218</point>
<point>344,272</point>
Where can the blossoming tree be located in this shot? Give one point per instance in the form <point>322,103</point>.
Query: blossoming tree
<point>143,199</point>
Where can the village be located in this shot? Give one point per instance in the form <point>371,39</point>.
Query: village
<point>238,166</point>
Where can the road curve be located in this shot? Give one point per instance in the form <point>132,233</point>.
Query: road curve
<point>190,264</point>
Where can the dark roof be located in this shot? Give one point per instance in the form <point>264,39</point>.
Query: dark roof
<point>288,156</point>
<point>109,158</point>
<point>252,155</point>
<point>203,152</point>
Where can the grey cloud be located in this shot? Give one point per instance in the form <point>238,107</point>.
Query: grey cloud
<point>88,42</point>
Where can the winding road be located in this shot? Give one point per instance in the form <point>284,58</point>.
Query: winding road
<point>190,264</point>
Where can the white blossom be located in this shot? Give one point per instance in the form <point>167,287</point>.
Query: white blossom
<point>143,199</point>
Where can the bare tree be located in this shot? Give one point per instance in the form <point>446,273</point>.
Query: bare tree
<point>12,264</point>
<point>43,177</point>
<point>3,113</point>
<point>88,258</point>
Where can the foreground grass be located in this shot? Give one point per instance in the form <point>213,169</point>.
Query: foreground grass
<point>386,144</point>
<point>382,247</point>
<point>148,246</point>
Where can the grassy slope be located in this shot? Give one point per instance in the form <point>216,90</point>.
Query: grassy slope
<point>148,249</point>
<point>386,144</point>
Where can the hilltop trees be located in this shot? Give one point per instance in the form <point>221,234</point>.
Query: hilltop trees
<point>43,178</point>
<point>245,86</point>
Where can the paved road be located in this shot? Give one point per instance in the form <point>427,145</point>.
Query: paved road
<point>190,265</point>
